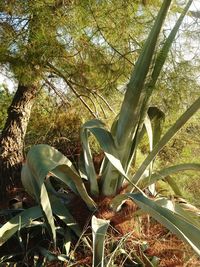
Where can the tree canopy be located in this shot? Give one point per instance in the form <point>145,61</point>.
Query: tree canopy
<point>82,52</point>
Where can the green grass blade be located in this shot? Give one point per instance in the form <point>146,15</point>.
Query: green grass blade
<point>99,229</point>
<point>173,221</point>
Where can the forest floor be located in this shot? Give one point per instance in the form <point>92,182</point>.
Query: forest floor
<point>153,245</point>
<point>143,240</point>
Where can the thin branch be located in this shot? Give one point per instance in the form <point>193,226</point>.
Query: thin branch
<point>94,92</point>
<point>59,73</point>
<point>105,101</point>
<point>102,34</point>
<point>93,103</point>
<point>65,101</point>
<point>101,107</point>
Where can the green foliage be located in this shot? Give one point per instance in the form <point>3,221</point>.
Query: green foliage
<point>119,145</point>
<point>182,149</point>
<point>75,36</point>
<point>50,123</point>
<point>5,101</point>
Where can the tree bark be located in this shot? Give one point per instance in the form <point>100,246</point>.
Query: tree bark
<point>12,138</point>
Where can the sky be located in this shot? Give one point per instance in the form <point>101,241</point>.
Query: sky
<point>8,81</point>
<point>11,84</point>
<point>195,5</point>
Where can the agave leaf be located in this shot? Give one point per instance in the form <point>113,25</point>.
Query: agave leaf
<point>174,186</point>
<point>99,229</point>
<point>173,221</point>
<point>138,95</point>
<point>148,127</point>
<point>158,175</point>
<point>106,142</point>
<point>170,170</point>
<point>153,118</point>
<point>47,212</point>
<point>162,55</point>
<point>118,201</point>
<point>89,166</point>
<point>63,173</point>
<point>153,135</point>
<point>149,131</point>
<point>42,159</point>
<point>61,211</point>
<point>129,116</point>
<point>189,213</point>
<point>81,166</point>
<point>38,190</point>
<point>30,185</point>
<point>67,241</point>
<point>24,218</point>
<point>156,117</point>
<point>159,62</point>
<point>165,174</point>
<point>27,180</point>
<point>165,139</point>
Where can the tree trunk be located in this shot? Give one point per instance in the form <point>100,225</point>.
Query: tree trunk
<point>12,138</point>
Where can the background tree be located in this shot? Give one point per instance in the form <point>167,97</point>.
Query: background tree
<point>25,44</point>
<point>81,52</point>
<point>36,37</point>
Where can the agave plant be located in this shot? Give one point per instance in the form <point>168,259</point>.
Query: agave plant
<point>120,144</point>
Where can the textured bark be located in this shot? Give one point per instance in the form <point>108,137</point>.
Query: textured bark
<point>12,138</point>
